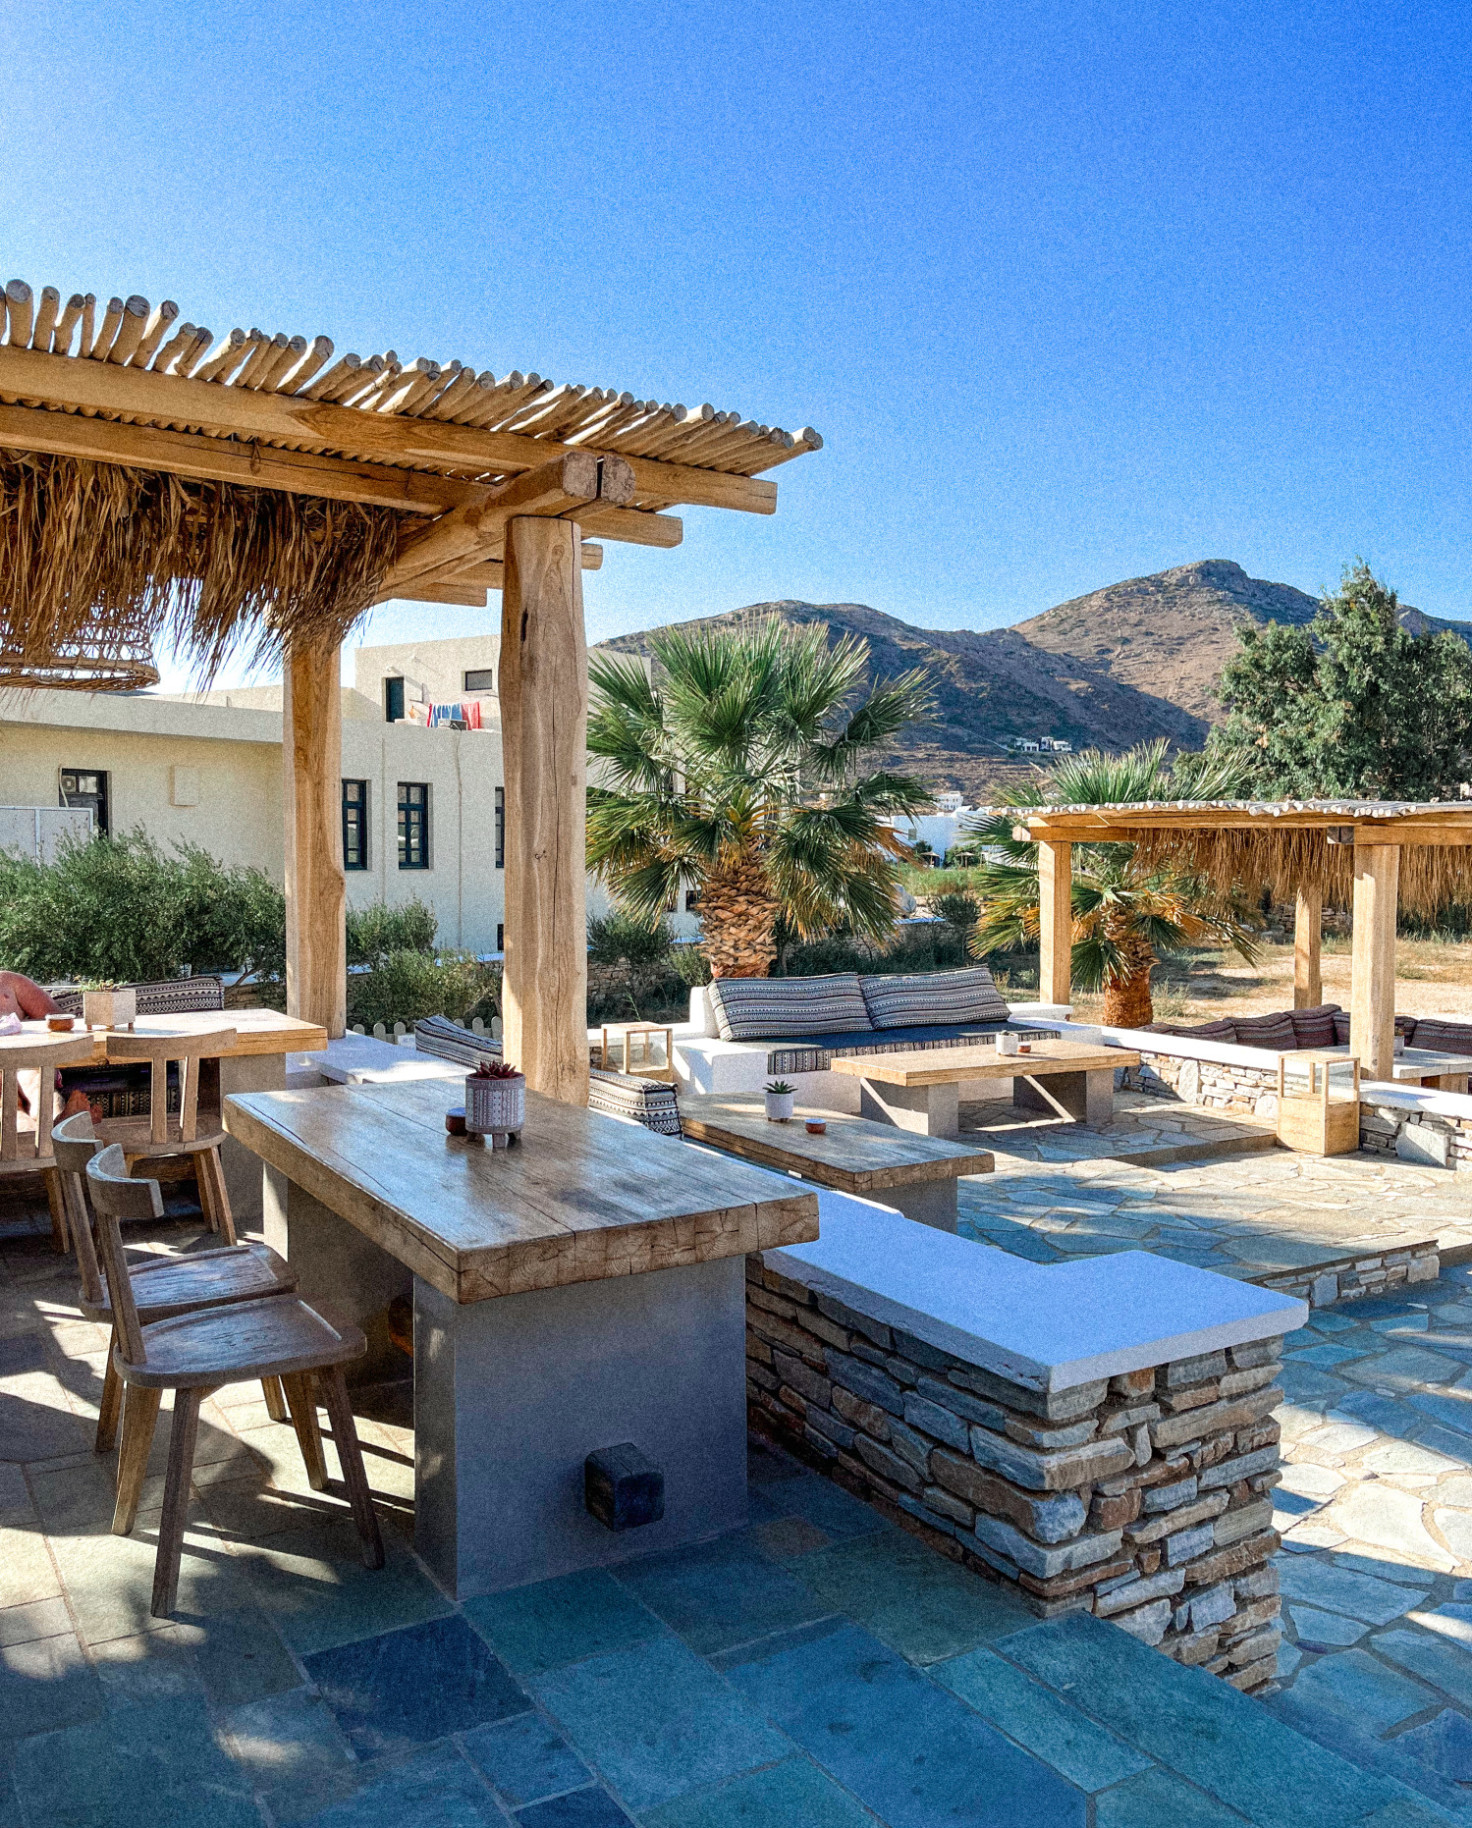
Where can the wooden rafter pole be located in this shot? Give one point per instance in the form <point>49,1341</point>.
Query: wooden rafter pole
<point>1055,922</point>
<point>1372,982</point>
<point>316,891</point>
<point>1308,933</point>
<point>544,725</point>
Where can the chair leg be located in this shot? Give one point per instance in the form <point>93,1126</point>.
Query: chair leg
<point>58,1211</point>
<point>112,1402</point>
<point>300,1398</point>
<point>275,1399</point>
<point>222,1219</point>
<point>345,1435</point>
<point>182,1441</point>
<point>140,1418</point>
<point>206,1188</point>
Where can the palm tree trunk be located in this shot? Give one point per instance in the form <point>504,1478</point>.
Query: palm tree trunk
<point>738,918</point>
<point>1127,1002</point>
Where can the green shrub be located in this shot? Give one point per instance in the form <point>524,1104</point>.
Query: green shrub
<point>406,984</point>
<point>377,930</point>
<point>615,939</point>
<point>122,908</point>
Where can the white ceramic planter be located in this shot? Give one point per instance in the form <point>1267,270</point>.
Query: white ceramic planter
<point>109,1008</point>
<point>779,1106</point>
<point>495,1106</point>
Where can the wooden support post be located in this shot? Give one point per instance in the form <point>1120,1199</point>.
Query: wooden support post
<point>316,893</point>
<point>1372,983</point>
<point>544,730</point>
<point>1308,933</point>
<point>1055,922</point>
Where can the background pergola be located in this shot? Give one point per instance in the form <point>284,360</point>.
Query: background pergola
<point>492,483</point>
<point>1369,854</point>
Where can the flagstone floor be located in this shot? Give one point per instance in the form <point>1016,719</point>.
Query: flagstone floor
<point>817,1669</point>
<point>1245,1215</point>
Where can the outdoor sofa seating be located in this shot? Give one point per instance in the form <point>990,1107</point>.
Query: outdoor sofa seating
<point>1289,1030</point>
<point>806,1023</point>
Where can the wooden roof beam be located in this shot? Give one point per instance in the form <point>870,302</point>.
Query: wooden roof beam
<point>563,488</point>
<point>469,587</point>
<point>103,387</point>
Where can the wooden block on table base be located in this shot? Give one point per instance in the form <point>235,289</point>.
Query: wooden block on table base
<point>544,724</point>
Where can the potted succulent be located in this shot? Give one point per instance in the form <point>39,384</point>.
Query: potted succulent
<point>109,1005</point>
<point>779,1096</point>
<point>495,1099</point>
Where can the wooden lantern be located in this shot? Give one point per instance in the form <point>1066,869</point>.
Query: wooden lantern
<point>1312,1122</point>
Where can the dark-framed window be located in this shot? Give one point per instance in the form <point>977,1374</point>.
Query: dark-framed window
<point>500,828</point>
<point>500,936</point>
<point>393,701</point>
<point>413,825</point>
<point>88,787</point>
<point>355,825</point>
<point>479,679</point>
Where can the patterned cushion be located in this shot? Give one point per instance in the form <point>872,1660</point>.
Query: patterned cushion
<point>1443,1037</point>
<point>1315,1027</point>
<point>1341,1028</point>
<point>173,996</point>
<point>1224,1030</point>
<point>756,1008</point>
<point>933,996</point>
<point>1274,1031</point>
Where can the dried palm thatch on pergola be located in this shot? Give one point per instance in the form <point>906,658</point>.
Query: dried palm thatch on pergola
<point>99,563</point>
<point>1287,860</point>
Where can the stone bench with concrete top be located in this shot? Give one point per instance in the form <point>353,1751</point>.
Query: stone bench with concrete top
<point>1097,1434</point>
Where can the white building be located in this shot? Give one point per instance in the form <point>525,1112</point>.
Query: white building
<point>421,807</point>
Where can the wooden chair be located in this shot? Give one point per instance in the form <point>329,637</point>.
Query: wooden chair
<point>164,1287</point>
<point>193,1355</point>
<point>25,1137</point>
<point>159,1134</point>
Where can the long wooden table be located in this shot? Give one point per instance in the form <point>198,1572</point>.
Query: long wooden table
<point>583,1289</point>
<point>872,1161</point>
<point>920,1091</point>
<point>254,1061</point>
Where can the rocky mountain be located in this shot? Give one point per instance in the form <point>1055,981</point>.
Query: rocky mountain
<point>1123,665</point>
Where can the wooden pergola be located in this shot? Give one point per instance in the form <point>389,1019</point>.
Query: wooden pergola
<point>495,481</point>
<point>1370,852</point>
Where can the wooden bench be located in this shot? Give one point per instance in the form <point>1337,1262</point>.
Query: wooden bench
<point>873,1161</point>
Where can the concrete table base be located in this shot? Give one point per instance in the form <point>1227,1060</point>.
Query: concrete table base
<point>923,1110</point>
<point>927,1202</point>
<point>512,1395</point>
<point>247,1073</point>
<point>336,1264</point>
<point>1085,1097</point>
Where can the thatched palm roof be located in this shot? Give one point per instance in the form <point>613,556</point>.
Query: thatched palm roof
<point>156,480</point>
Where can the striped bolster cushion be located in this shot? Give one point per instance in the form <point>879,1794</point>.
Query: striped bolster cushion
<point>758,1008</point>
<point>933,996</point>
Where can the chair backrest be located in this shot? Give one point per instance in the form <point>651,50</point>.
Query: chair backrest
<point>74,1142</point>
<point>115,1196</point>
<point>40,1054</point>
<point>185,1051</point>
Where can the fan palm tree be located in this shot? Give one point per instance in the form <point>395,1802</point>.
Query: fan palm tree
<point>1126,915</point>
<point>739,769</point>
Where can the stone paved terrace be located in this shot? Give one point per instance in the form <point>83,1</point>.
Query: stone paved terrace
<point>818,1669</point>
<point>1265,1216</point>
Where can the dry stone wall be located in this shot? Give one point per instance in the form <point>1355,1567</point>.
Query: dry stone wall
<point>1143,1498</point>
<point>1247,1091</point>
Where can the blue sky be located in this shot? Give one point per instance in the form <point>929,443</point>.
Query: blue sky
<point>1073,292</point>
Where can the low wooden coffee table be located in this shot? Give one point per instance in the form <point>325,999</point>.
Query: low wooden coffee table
<point>920,1092</point>
<point>873,1161</point>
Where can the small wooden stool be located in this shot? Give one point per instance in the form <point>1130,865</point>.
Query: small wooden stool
<point>645,1031</point>
<point>1309,1122</point>
<point>193,1355</point>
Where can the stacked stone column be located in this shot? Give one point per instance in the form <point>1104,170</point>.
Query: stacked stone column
<point>1143,1498</point>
